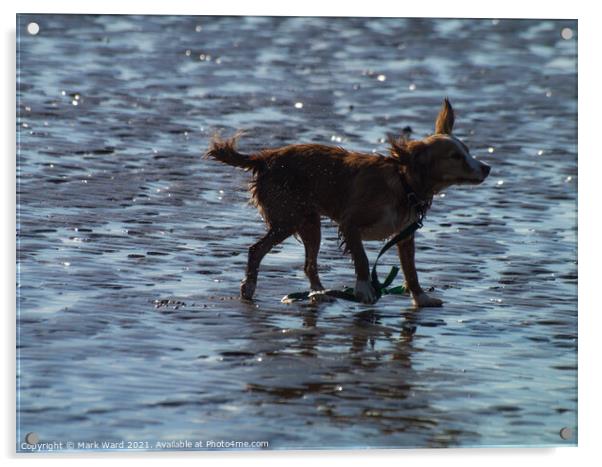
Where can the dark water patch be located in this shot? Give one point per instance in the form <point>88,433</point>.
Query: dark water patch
<point>234,354</point>
<point>505,408</point>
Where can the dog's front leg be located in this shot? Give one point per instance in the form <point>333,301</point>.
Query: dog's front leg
<point>363,291</point>
<point>406,255</point>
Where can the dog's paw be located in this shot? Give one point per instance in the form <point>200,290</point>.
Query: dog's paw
<point>247,289</point>
<point>423,300</point>
<point>364,292</point>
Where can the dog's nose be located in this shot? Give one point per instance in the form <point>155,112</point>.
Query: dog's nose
<point>485,169</point>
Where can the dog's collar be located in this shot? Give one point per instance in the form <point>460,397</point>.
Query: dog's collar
<point>420,206</point>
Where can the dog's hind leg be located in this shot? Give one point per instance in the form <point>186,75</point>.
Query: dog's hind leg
<point>310,235</point>
<point>256,254</point>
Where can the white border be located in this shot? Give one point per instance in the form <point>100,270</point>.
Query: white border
<point>589,209</point>
<point>457,8</point>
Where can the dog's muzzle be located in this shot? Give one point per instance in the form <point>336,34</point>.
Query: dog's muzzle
<point>479,174</point>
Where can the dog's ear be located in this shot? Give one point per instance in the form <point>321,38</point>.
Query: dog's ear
<point>399,149</point>
<point>404,150</point>
<point>445,120</point>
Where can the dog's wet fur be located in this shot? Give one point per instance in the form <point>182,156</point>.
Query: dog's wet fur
<point>293,186</point>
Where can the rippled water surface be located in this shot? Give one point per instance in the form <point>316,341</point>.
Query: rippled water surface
<point>132,246</point>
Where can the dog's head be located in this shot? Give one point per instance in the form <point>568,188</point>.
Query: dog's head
<point>440,160</point>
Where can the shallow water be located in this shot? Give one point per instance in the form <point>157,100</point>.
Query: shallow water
<point>131,246</point>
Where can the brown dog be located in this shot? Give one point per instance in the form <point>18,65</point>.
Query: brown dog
<point>367,195</point>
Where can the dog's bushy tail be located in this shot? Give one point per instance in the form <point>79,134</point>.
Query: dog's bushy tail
<point>224,150</point>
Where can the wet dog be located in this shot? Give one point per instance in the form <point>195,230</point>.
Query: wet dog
<point>370,197</point>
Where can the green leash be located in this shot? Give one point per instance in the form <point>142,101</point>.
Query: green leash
<point>347,293</point>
